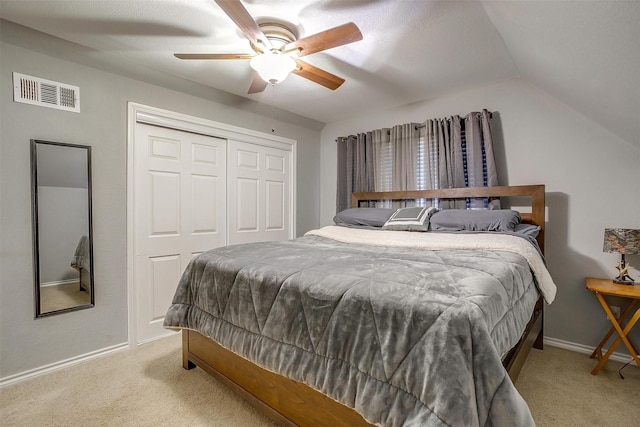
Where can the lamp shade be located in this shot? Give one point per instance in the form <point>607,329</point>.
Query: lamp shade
<point>622,240</point>
<point>273,67</point>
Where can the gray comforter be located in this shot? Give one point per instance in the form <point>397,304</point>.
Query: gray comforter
<point>404,335</point>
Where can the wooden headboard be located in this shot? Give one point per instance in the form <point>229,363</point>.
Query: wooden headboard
<point>535,192</point>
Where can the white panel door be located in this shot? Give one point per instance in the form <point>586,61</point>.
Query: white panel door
<point>179,212</point>
<point>259,193</point>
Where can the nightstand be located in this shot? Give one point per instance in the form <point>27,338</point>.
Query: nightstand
<point>602,287</point>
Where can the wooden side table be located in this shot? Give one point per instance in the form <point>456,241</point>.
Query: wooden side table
<point>602,287</point>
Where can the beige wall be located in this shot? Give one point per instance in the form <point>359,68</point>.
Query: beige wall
<point>27,343</point>
<point>592,181</point>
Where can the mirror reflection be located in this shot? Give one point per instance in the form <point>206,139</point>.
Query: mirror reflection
<point>63,255</point>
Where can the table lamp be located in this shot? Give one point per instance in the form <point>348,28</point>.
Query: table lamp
<point>625,241</point>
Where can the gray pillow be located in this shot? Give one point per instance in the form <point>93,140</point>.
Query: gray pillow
<point>475,220</point>
<point>527,230</point>
<point>410,219</point>
<point>363,217</point>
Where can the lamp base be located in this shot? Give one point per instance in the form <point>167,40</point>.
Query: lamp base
<point>624,280</point>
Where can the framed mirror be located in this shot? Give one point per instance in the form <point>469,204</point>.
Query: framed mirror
<point>62,227</point>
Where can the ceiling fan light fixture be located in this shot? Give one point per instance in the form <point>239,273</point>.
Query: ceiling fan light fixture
<point>273,67</point>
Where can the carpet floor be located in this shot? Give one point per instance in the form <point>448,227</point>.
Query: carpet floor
<point>148,387</point>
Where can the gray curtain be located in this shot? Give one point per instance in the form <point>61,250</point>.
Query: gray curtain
<point>378,160</point>
<point>451,152</point>
<point>356,167</point>
<point>464,151</point>
<point>383,154</point>
<point>404,140</point>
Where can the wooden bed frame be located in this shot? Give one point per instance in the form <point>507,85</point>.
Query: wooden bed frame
<point>291,403</point>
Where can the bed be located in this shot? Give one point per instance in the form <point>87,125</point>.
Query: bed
<point>336,329</point>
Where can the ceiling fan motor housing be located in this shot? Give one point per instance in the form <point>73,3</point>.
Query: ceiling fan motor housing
<point>278,34</point>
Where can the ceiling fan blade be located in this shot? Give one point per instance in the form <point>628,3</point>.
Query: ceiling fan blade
<point>213,55</point>
<point>257,84</point>
<point>238,14</point>
<point>318,75</point>
<point>334,37</point>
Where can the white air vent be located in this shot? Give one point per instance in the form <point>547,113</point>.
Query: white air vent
<point>37,91</point>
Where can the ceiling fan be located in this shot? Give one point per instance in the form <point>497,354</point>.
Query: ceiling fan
<point>278,49</point>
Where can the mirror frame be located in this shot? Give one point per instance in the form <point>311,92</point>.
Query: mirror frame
<point>35,225</point>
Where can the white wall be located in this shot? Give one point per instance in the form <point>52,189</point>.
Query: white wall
<point>592,181</point>
<point>27,343</point>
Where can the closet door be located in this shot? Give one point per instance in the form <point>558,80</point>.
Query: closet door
<point>259,193</point>
<point>179,212</point>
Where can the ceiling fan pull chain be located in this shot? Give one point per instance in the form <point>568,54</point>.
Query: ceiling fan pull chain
<point>273,108</point>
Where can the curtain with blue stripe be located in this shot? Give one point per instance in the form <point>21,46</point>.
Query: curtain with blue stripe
<point>464,149</point>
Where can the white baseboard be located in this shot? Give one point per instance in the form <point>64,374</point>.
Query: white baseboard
<point>22,376</point>
<point>585,349</point>
<point>59,282</point>
<point>167,333</point>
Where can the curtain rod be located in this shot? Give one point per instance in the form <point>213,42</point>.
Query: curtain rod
<point>423,125</point>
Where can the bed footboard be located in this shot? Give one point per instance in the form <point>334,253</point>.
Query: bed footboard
<point>285,401</point>
<point>290,403</point>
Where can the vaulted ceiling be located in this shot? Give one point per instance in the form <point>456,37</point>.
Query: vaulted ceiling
<point>584,53</point>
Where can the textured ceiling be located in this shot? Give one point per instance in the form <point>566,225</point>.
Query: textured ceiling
<point>585,53</point>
